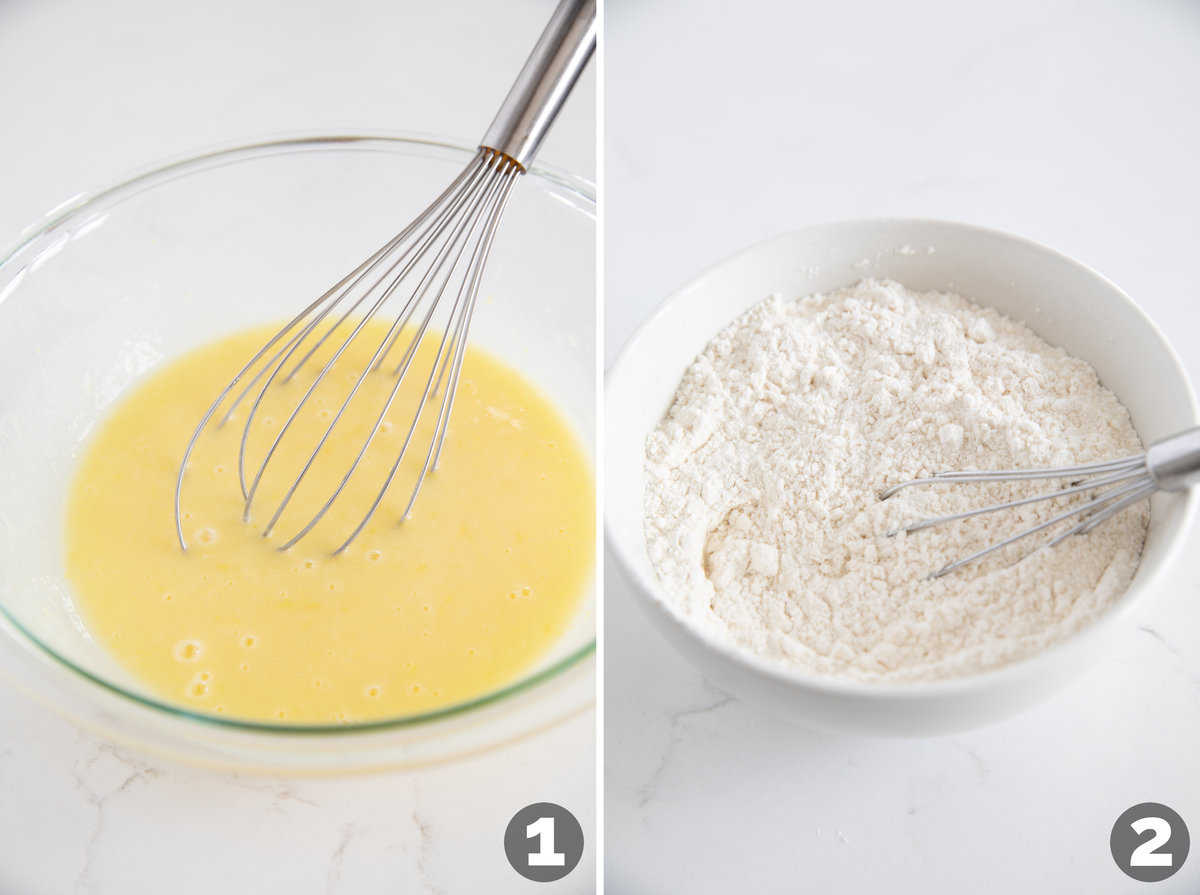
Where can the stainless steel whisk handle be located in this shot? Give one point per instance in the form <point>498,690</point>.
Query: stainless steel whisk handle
<point>1174,462</point>
<point>542,86</point>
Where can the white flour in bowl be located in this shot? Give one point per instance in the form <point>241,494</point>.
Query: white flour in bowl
<point>762,518</point>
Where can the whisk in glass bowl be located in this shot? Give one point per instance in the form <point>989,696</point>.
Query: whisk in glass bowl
<point>441,253</point>
<point>141,269</point>
<point>1169,464</point>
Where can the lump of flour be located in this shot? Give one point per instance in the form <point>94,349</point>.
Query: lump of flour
<point>762,519</point>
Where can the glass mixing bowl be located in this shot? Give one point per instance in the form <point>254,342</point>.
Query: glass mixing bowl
<point>110,285</point>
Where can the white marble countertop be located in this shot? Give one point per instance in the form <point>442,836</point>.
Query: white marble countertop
<point>1071,123</point>
<point>92,92</point>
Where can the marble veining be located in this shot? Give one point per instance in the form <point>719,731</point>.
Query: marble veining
<point>678,721</point>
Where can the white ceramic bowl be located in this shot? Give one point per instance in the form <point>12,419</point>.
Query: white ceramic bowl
<point>111,284</point>
<point>1065,302</point>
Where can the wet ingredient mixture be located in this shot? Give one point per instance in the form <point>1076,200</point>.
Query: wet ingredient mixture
<point>458,600</point>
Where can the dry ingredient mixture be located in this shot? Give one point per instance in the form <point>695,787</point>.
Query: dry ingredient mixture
<point>762,517</point>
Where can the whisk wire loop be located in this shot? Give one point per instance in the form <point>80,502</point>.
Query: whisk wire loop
<point>405,314</point>
<point>459,225</point>
<point>423,245</point>
<point>346,284</point>
<point>1090,485</point>
<point>1138,487</point>
<point>1007,475</point>
<point>488,201</point>
<point>471,282</point>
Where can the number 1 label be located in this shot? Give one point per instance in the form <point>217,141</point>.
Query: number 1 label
<point>543,842</point>
<point>545,856</point>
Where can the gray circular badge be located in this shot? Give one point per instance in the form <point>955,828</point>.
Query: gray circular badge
<point>543,842</point>
<point>1149,842</point>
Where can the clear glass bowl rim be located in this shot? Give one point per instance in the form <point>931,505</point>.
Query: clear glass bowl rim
<point>577,191</point>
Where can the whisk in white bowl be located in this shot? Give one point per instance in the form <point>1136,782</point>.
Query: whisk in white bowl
<point>1169,464</point>
<point>442,252</point>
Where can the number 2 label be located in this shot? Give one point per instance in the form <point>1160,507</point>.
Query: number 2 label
<point>1149,841</point>
<point>1147,854</point>
<point>546,856</point>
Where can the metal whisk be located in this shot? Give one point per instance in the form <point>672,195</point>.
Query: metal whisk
<point>441,253</point>
<point>1170,464</point>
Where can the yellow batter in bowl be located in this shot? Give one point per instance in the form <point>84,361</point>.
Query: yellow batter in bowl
<point>455,601</point>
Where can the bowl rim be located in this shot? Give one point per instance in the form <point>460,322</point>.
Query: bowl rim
<point>574,190</point>
<point>902,691</point>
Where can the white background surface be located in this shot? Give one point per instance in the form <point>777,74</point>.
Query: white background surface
<point>91,91</point>
<point>1071,123</point>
